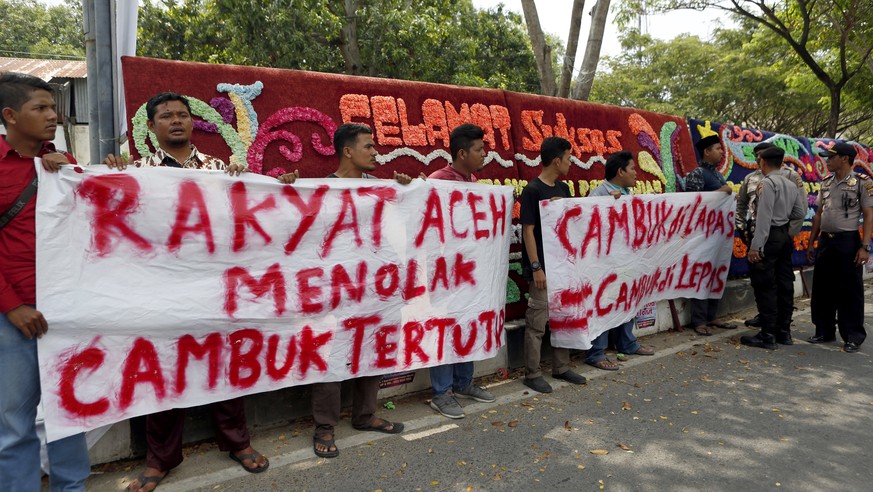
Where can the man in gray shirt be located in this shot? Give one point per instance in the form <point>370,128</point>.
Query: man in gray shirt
<point>621,176</point>
<point>778,202</point>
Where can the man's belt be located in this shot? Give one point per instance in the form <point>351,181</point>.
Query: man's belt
<point>833,235</point>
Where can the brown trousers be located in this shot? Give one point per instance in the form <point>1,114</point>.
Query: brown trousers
<point>536,318</point>
<point>164,432</point>
<point>327,403</point>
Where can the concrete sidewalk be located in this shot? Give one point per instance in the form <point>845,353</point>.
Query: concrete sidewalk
<point>290,444</point>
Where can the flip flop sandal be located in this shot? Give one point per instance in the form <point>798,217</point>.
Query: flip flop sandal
<point>149,480</point>
<point>605,364</point>
<point>251,456</point>
<point>702,330</point>
<point>396,427</point>
<point>644,351</point>
<point>327,443</point>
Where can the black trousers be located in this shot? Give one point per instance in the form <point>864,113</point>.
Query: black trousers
<point>838,288</point>
<point>164,432</point>
<point>773,281</point>
<point>703,311</point>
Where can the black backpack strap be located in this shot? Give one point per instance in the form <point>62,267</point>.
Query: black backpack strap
<point>26,195</point>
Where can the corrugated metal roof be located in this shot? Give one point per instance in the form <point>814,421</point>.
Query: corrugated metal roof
<point>45,69</point>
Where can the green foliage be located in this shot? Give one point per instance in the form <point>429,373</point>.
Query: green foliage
<point>748,76</point>
<point>444,41</point>
<point>32,29</point>
<point>806,64</point>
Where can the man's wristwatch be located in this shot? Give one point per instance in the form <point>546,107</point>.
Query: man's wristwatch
<point>535,266</point>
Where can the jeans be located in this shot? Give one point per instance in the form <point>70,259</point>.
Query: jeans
<point>626,342</point>
<point>19,446</point>
<point>451,376</point>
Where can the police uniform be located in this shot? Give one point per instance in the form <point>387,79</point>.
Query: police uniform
<point>778,202</point>
<point>747,199</point>
<point>837,281</point>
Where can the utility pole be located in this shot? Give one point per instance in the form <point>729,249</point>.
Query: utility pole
<point>99,17</point>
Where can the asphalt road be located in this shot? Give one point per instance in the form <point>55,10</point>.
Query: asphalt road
<point>705,413</point>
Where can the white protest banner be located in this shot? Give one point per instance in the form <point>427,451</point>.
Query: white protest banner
<point>606,258</point>
<point>170,288</point>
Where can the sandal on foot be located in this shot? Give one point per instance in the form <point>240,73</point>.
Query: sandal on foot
<point>327,443</point>
<point>605,364</point>
<point>149,480</point>
<point>644,351</point>
<point>396,427</point>
<point>254,458</point>
<point>702,330</point>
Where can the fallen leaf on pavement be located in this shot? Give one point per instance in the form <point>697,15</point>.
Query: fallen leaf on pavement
<point>623,446</point>
<point>567,425</point>
<point>513,423</point>
<point>498,423</point>
<point>599,451</point>
<point>625,405</point>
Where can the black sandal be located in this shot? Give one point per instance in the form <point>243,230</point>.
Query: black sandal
<point>327,443</point>
<point>148,480</point>
<point>396,427</point>
<point>254,458</point>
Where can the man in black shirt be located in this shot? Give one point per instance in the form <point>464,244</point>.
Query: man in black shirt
<point>707,177</point>
<point>555,158</point>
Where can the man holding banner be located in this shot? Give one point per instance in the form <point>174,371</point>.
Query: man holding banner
<point>357,153</point>
<point>468,155</point>
<point>27,110</point>
<point>620,176</point>
<point>169,118</point>
<point>706,177</point>
<point>555,159</point>
<point>778,202</point>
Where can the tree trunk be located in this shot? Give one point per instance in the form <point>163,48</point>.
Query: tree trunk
<point>834,116</point>
<point>542,51</point>
<point>349,47</point>
<point>572,44</point>
<point>592,51</point>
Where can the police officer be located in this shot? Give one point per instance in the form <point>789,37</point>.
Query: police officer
<point>747,199</point>
<point>778,202</point>
<point>838,289</point>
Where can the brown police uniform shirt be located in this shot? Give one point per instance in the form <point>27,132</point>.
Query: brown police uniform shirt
<point>841,202</point>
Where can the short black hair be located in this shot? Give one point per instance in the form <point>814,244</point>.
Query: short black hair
<point>619,160</point>
<point>158,99</point>
<point>463,136</point>
<point>16,88</point>
<point>553,147</point>
<point>347,134</point>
